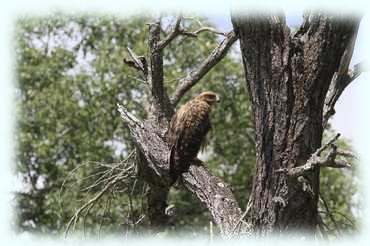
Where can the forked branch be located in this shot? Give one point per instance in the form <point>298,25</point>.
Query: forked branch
<point>137,62</point>
<point>172,35</point>
<point>338,84</point>
<point>202,69</point>
<point>341,79</point>
<point>178,31</point>
<point>330,160</point>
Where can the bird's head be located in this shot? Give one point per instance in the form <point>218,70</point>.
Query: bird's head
<point>209,97</point>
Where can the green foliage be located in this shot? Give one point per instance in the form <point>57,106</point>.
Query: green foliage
<point>70,75</point>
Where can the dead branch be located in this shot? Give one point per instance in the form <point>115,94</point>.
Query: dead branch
<point>317,161</point>
<point>137,62</point>
<point>203,29</point>
<point>178,31</point>
<point>88,205</point>
<point>172,35</point>
<point>202,69</point>
<point>125,174</point>
<point>341,79</point>
<point>128,117</point>
<point>325,146</point>
<point>217,196</point>
<point>150,144</point>
<point>339,83</point>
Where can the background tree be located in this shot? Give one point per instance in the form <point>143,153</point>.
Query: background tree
<point>72,142</point>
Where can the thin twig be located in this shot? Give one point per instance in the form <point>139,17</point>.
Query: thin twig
<point>321,225</point>
<point>325,146</point>
<point>344,216</point>
<point>328,212</point>
<point>109,183</point>
<point>204,29</point>
<point>105,212</point>
<point>240,220</point>
<point>87,204</point>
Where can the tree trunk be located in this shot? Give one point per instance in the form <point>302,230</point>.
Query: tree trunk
<point>287,77</point>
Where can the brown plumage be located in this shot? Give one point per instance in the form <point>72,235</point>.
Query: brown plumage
<point>187,131</point>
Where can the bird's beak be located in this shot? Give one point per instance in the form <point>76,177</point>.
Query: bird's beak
<point>217,98</point>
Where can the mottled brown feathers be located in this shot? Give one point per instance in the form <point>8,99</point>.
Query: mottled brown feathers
<point>187,130</point>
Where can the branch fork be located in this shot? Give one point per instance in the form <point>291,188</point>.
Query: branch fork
<point>330,160</point>
<point>137,62</point>
<point>177,30</point>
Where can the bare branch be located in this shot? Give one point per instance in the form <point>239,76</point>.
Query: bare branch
<point>204,29</point>
<point>338,84</point>
<point>137,62</point>
<point>173,34</point>
<point>217,196</point>
<point>126,172</point>
<point>150,144</point>
<point>325,146</point>
<point>177,31</point>
<point>341,79</point>
<point>128,117</point>
<point>194,76</point>
<point>347,154</point>
<point>88,205</point>
<point>358,69</point>
<point>316,161</point>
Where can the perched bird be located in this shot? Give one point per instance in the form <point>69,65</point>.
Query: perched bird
<point>187,131</point>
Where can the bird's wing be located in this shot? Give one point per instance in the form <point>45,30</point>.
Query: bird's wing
<point>207,127</point>
<point>172,158</point>
<point>177,131</point>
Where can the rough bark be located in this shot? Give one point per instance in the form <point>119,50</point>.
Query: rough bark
<point>162,109</point>
<point>216,195</point>
<point>287,78</point>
